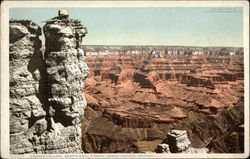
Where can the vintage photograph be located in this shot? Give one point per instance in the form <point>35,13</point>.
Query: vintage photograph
<point>138,78</point>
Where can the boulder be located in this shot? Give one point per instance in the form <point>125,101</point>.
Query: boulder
<point>162,148</point>
<point>178,140</point>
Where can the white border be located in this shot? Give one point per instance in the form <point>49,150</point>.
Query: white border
<point>5,70</point>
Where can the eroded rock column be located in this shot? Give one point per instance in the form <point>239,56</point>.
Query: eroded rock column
<point>27,85</point>
<point>66,70</point>
<point>46,90</point>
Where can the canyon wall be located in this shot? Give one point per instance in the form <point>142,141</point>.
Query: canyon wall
<point>134,100</point>
<point>46,100</point>
<point>170,50</point>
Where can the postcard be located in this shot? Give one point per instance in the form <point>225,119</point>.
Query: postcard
<point>125,79</point>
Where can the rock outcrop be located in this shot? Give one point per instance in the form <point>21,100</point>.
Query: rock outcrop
<point>65,70</point>
<point>162,148</point>
<point>46,100</point>
<point>177,141</point>
<point>28,111</point>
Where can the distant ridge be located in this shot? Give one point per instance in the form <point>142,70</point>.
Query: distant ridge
<point>162,46</point>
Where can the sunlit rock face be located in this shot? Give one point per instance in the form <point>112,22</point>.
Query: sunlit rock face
<point>46,100</point>
<point>177,141</point>
<point>27,81</point>
<point>65,70</point>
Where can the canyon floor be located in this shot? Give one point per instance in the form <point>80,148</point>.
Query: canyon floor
<point>133,101</point>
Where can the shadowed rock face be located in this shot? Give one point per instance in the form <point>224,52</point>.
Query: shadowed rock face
<point>46,100</point>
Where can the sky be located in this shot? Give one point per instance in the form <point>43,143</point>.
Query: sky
<point>181,26</point>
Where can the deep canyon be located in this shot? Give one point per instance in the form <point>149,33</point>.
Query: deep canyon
<point>136,95</point>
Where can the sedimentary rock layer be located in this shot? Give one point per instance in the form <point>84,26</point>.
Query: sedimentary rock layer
<point>28,110</point>
<point>46,100</point>
<point>140,98</point>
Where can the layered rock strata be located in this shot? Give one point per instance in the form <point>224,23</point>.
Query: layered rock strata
<point>46,100</point>
<point>28,110</point>
<point>173,84</point>
<point>140,98</point>
<point>66,70</point>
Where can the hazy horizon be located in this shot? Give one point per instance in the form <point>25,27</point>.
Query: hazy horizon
<point>161,45</point>
<point>161,26</point>
<point>167,45</point>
